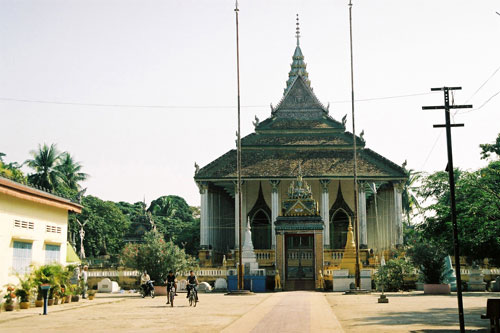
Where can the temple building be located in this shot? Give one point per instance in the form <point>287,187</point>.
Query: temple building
<point>300,154</point>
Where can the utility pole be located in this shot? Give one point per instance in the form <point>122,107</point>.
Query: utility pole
<point>451,176</point>
<point>238,157</point>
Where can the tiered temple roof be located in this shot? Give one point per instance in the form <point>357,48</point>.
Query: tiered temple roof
<point>300,131</point>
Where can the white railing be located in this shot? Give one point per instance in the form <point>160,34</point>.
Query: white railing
<point>263,255</point>
<point>113,273</point>
<point>295,255</point>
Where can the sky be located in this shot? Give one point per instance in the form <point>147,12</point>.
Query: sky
<point>138,91</point>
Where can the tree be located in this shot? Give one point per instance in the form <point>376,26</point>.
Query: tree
<point>106,227</point>
<point>174,219</point>
<point>488,149</point>
<point>139,220</point>
<point>44,163</point>
<point>392,275</point>
<point>409,199</point>
<point>429,258</point>
<point>478,212</point>
<point>70,171</point>
<point>11,170</point>
<point>157,257</point>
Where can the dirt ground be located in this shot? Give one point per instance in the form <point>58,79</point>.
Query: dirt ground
<point>269,312</point>
<point>409,312</point>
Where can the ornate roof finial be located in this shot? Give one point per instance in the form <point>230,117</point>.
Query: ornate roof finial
<point>297,31</point>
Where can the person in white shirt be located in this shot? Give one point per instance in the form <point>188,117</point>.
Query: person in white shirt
<point>84,277</point>
<point>144,279</point>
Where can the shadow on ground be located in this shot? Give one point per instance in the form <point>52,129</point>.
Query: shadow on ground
<point>432,317</point>
<point>447,331</point>
<point>453,294</point>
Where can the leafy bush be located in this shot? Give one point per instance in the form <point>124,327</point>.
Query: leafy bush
<point>391,276</point>
<point>157,257</point>
<point>429,258</point>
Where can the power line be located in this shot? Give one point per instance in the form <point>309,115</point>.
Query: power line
<point>35,101</point>
<point>482,85</point>
<point>463,112</point>
<point>482,105</point>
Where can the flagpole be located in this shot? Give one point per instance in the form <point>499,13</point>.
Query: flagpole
<point>238,157</point>
<point>355,162</point>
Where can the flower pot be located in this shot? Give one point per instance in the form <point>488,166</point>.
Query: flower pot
<point>9,307</point>
<point>160,290</point>
<point>68,299</point>
<point>91,297</point>
<point>437,289</point>
<point>56,301</point>
<point>39,303</point>
<point>75,298</point>
<point>50,301</point>
<point>24,305</point>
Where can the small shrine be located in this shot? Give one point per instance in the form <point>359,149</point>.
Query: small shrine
<point>299,239</point>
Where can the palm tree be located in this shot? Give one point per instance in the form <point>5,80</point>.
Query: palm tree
<point>69,171</point>
<point>44,163</point>
<point>410,201</point>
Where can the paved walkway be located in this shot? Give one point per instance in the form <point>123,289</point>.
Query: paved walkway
<point>289,312</point>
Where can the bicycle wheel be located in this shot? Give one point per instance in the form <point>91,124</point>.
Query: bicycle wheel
<point>153,293</point>
<point>171,298</point>
<point>190,301</point>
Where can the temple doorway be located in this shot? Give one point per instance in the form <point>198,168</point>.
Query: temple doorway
<point>299,265</point>
<point>261,230</point>
<point>338,229</point>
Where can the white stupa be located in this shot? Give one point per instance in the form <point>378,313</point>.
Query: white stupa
<point>248,254</point>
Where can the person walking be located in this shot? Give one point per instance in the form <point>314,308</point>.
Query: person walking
<point>83,280</point>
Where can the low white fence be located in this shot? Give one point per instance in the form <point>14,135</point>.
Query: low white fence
<point>113,273</point>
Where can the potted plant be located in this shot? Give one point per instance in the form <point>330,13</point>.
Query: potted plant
<point>75,293</point>
<point>65,277</point>
<point>9,297</point>
<point>429,258</point>
<point>25,290</point>
<point>91,294</point>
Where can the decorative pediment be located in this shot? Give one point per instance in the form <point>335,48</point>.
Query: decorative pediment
<point>299,102</point>
<point>300,201</point>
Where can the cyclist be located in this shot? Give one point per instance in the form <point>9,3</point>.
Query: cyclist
<point>171,278</point>
<point>144,280</point>
<point>192,284</point>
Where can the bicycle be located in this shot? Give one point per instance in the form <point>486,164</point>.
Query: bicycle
<point>193,296</point>
<point>171,293</point>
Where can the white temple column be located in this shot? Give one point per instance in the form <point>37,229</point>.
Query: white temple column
<point>398,213</point>
<point>275,206</point>
<point>236,217</point>
<point>325,211</point>
<point>363,235</point>
<point>204,214</point>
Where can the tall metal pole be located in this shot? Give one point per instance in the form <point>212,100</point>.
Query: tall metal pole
<point>238,157</point>
<point>451,178</point>
<point>356,224</point>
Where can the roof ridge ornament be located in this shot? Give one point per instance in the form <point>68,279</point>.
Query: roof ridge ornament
<point>297,31</point>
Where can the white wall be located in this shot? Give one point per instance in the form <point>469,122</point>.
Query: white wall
<point>12,209</point>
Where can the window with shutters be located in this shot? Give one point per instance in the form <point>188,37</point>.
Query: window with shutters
<point>52,253</point>
<point>21,258</point>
